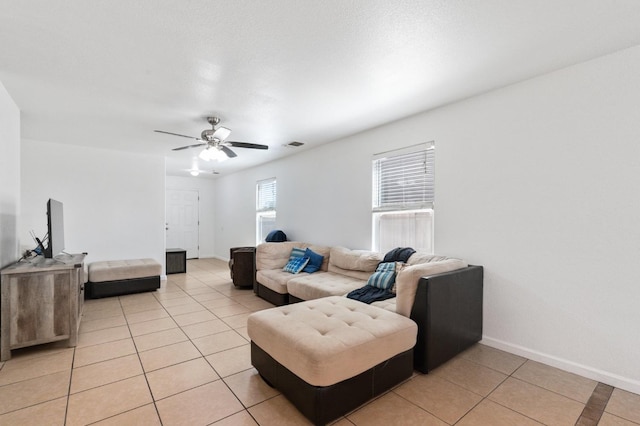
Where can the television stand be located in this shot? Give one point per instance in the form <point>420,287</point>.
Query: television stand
<point>41,301</point>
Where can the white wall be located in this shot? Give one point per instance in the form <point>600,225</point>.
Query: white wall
<point>113,201</point>
<point>551,208</point>
<point>307,203</point>
<point>206,213</point>
<point>235,209</point>
<point>9,178</point>
<point>538,182</point>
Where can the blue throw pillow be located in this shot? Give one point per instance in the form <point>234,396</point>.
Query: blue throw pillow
<point>315,261</point>
<point>384,277</point>
<point>296,252</point>
<point>296,264</point>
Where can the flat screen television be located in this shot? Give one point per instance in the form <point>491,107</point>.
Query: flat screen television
<point>55,228</point>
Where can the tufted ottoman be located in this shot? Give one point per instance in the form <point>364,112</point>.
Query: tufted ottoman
<point>331,355</point>
<point>116,277</point>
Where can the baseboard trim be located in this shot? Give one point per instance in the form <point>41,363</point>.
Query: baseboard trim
<point>609,378</point>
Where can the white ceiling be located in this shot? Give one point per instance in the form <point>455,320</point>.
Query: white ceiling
<point>107,73</point>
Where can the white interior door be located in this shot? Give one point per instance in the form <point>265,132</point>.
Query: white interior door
<point>182,221</point>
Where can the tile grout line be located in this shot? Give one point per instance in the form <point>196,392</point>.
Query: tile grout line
<point>73,360</point>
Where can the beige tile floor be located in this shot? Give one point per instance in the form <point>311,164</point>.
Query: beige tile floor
<point>180,356</point>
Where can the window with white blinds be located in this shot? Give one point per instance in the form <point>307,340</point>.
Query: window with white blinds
<point>404,179</point>
<point>266,195</point>
<point>265,208</point>
<point>403,198</point>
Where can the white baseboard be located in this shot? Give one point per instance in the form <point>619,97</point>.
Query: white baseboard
<point>611,379</point>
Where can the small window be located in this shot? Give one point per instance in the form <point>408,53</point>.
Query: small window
<point>265,208</point>
<point>403,198</point>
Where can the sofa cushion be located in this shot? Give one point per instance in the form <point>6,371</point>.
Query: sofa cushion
<point>354,260</point>
<point>276,279</point>
<point>322,284</point>
<point>389,304</point>
<point>424,257</point>
<point>296,264</point>
<point>275,255</point>
<point>324,251</point>
<point>407,280</point>
<point>359,275</point>
<point>315,261</point>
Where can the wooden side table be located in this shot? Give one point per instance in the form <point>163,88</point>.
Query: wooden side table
<point>176,261</point>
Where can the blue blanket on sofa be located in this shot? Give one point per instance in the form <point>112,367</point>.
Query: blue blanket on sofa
<point>369,294</point>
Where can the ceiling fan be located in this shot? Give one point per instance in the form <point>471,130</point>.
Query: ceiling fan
<point>214,141</point>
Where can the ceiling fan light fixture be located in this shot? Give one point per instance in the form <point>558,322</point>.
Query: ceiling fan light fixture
<point>212,153</point>
<point>219,156</point>
<point>205,154</point>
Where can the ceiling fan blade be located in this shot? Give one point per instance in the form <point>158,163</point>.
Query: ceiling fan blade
<point>227,151</point>
<point>188,146</point>
<point>221,133</point>
<point>247,145</point>
<point>177,134</point>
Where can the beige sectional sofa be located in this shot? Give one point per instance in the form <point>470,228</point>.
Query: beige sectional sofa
<point>442,295</point>
<point>342,271</point>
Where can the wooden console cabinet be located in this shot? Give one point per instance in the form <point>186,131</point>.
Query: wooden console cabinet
<point>41,301</point>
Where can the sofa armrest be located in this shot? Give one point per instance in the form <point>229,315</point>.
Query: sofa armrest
<point>448,311</point>
<point>407,280</point>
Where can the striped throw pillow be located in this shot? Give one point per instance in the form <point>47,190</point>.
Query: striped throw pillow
<point>384,277</point>
<point>296,252</point>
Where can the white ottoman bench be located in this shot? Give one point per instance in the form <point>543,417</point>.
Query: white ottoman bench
<point>330,355</point>
<point>117,277</point>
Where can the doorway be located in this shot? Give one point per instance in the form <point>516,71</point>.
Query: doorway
<point>182,222</point>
